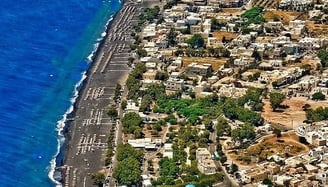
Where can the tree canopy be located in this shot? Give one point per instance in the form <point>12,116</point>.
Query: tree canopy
<point>253,15</point>
<point>168,167</point>
<point>128,171</point>
<point>172,38</point>
<point>318,114</point>
<point>276,99</point>
<point>112,112</point>
<point>126,150</point>
<point>131,121</point>
<point>245,131</point>
<point>323,56</point>
<point>318,96</point>
<point>196,41</point>
<point>98,178</point>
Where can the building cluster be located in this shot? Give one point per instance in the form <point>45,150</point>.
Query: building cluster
<point>276,50</point>
<point>272,55</point>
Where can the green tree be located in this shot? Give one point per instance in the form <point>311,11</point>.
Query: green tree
<point>130,61</point>
<point>267,182</point>
<point>168,167</point>
<point>98,178</point>
<point>323,56</point>
<point>196,41</point>
<point>276,99</point>
<point>160,75</point>
<point>128,171</point>
<point>318,114</point>
<point>112,112</point>
<point>245,131</point>
<point>131,121</point>
<point>222,127</point>
<point>318,96</point>
<point>125,151</point>
<point>124,104</point>
<point>145,103</point>
<point>141,52</point>
<point>171,38</point>
<point>117,92</point>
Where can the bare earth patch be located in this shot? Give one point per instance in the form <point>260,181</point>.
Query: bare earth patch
<point>288,143</point>
<point>292,116</point>
<point>215,62</point>
<point>228,35</point>
<point>319,30</point>
<point>232,11</point>
<point>284,16</point>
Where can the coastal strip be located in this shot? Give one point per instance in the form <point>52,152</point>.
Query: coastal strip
<point>88,127</point>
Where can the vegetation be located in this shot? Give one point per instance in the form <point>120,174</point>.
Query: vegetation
<point>110,147</point>
<point>318,96</point>
<point>98,178</point>
<point>141,52</point>
<point>245,131</point>
<point>160,75</point>
<point>267,182</point>
<point>124,104</point>
<point>117,92</point>
<point>189,108</point>
<point>128,171</point>
<point>252,98</point>
<point>168,168</point>
<point>323,56</point>
<point>172,38</point>
<point>318,114</point>
<point>233,111</point>
<point>145,103</point>
<point>276,99</point>
<point>222,127</point>
<point>254,15</point>
<point>149,14</point>
<point>125,151</point>
<point>112,112</point>
<point>133,82</point>
<point>170,4</point>
<point>131,122</point>
<point>215,25</point>
<point>196,41</point>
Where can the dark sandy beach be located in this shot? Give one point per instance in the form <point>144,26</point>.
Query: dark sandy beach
<point>87,130</point>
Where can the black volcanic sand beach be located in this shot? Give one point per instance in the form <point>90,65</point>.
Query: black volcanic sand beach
<point>87,130</point>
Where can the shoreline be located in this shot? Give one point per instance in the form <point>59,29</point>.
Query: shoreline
<point>66,132</point>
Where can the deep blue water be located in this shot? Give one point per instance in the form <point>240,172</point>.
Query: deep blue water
<point>43,50</point>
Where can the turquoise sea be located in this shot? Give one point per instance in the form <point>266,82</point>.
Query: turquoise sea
<point>44,47</point>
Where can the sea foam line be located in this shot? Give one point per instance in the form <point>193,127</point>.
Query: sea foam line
<point>61,123</point>
<point>101,38</point>
<point>60,128</point>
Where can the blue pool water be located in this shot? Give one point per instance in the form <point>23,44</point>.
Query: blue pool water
<point>43,52</point>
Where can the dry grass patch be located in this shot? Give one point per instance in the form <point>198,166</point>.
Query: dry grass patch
<point>319,30</point>
<point>232,11</point>
<point>215,62</point>
<point>228,35</point>
<point>292,116</point>
<point>284,16</point>
<point>286,146</point>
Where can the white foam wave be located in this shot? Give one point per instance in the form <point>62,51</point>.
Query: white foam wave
<point>60,128</point>
<point>96,45</point>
